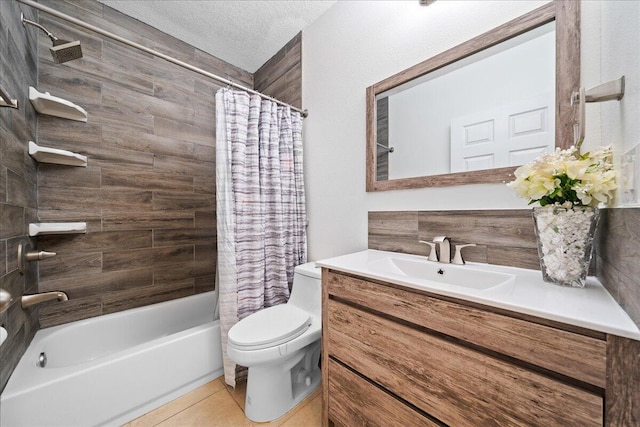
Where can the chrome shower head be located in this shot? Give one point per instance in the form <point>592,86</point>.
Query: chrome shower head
<point>62,50</point>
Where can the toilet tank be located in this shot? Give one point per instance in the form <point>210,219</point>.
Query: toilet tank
<point>306,292</point>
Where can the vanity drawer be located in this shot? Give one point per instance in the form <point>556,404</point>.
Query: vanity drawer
<point>356,402</point>
<point>574,355</point>
<point>453,383</point>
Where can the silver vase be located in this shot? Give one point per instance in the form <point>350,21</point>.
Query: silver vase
<point>565,237</point>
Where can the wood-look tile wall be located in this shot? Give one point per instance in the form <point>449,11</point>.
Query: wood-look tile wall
<point>281,76</point>
<point>503,237</point>
<point>18,70</point>
<point>148,193</point>
<point>617,246</point>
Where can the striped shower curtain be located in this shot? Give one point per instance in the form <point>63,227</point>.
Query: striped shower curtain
<point>260,209</point>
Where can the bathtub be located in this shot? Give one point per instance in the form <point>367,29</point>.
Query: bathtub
<point>111,369</point>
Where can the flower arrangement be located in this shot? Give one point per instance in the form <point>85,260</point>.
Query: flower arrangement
<point>567,178</point>
<point>569,188</point>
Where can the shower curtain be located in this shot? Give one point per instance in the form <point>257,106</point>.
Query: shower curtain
<point>260,207</point>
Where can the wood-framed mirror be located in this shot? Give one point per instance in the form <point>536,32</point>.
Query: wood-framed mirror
<point>557,21</point>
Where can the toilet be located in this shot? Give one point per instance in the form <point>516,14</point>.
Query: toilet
<point>281,347</point>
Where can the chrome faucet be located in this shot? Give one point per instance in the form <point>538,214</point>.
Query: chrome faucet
<point>29,300</point>
<point>444,248</point>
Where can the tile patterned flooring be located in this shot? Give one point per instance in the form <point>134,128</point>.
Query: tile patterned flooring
<point>217,404</point>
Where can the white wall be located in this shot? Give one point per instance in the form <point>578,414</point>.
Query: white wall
<point>620,55</point>
<point>356,44</point>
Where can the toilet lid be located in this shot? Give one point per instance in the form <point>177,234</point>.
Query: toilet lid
<point>269,327</point>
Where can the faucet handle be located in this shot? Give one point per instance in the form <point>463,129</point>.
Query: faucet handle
<point>433,256</point>
<point>38,255</point>
<point>457,258</point>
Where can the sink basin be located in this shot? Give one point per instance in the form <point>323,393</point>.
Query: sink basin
<point>447,274</point>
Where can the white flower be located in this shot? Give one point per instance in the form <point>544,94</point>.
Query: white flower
<point>567,178</point>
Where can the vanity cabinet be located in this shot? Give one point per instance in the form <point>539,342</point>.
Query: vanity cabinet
<point>397,356</point>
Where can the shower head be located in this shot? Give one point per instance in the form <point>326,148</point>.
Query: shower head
<point>62,50</point>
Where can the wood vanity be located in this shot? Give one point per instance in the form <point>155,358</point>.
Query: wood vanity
<point>407,357</point>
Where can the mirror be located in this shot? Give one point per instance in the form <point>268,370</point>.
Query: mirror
<point>493,109</point>
<point>473,113</point>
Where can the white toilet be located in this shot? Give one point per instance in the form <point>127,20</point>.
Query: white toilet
<point>281,347</point>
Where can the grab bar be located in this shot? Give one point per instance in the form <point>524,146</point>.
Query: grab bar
<point>6,100</point>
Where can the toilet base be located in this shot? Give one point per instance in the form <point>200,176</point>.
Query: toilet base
<point>273,390</point>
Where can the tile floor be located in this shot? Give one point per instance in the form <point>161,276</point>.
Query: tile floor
<point>216,404</point>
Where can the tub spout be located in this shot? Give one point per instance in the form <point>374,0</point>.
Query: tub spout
<point>29,300</point>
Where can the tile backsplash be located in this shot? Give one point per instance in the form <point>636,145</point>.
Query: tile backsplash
<point>503,237</point>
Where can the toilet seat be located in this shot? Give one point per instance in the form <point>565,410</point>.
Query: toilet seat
<point>269,327</point>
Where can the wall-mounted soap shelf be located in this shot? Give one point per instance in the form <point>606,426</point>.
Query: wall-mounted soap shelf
<point>40,228</point>
<point>45,103</point>
<point>56,156</point>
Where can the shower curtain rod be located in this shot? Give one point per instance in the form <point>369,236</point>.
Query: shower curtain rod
<point>168,58</point>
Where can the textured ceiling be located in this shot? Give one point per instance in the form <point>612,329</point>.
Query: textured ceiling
<point>243,33</point>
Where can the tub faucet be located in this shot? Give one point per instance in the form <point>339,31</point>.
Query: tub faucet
<point>445,248</point>
<point>29,300</point>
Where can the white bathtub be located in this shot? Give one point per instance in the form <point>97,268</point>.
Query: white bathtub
<point>111,369</point>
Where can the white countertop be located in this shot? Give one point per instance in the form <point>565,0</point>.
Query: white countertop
<point>591,307</point>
